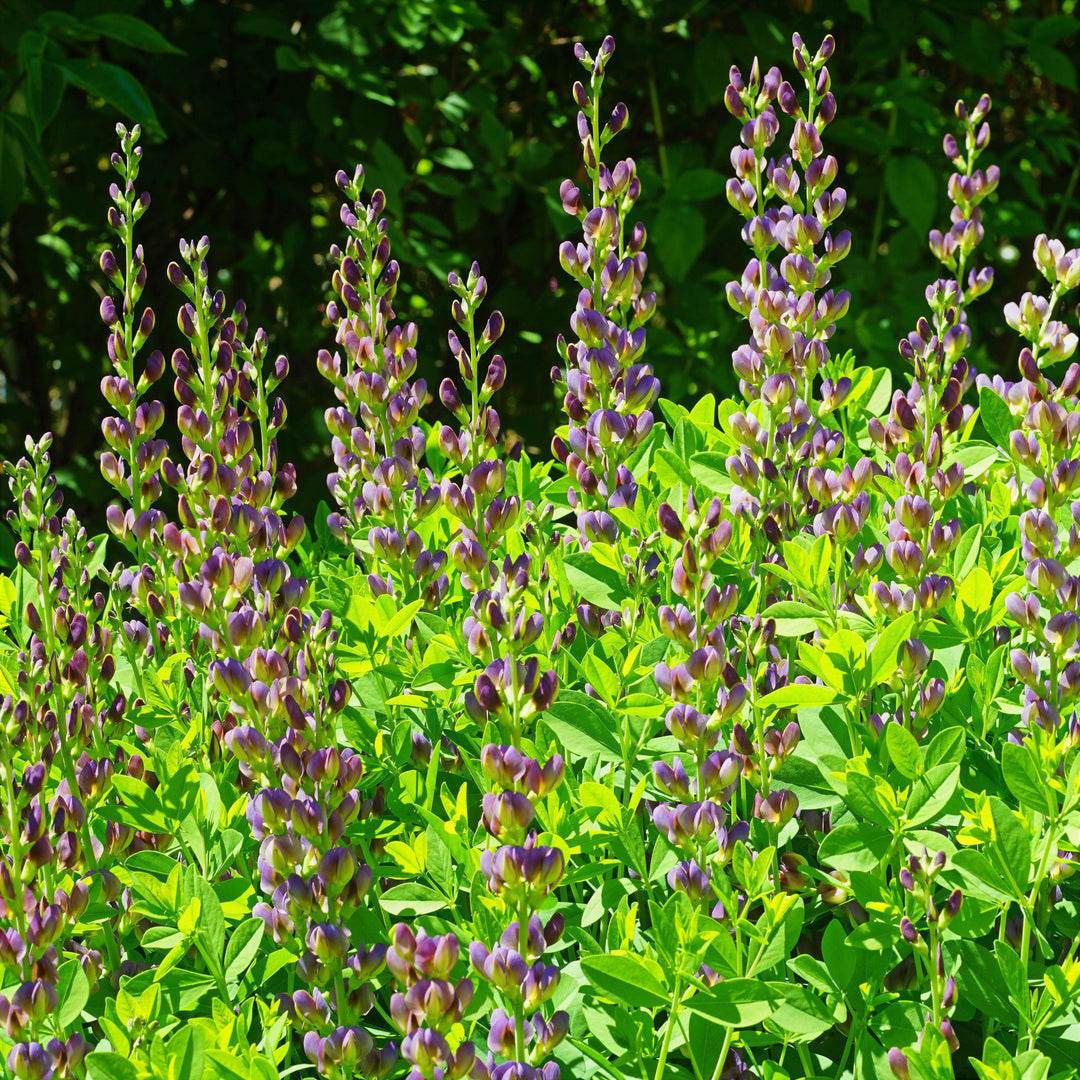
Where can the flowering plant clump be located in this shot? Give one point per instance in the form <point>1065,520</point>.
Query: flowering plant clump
<point>737,741</point>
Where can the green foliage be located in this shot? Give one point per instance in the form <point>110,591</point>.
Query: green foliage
<point>456,111</point>
<point>782,805</point>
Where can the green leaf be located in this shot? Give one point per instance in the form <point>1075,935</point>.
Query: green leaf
<point>495,137</point>
<point>862,798</point>
<point>930,793</point>
<point>793,618</point>
<point>450,157</point>
<point>736,1002</point>
<point>1024,779</point>
<point>800,1014</point>
<point>228,1066</point>
<point>1053,28</point>
<point>131,31</point>
<point>34,159</point>
<point>979,979</point>
<point>966,552</point>
<point>601,677</point>
<point>627,979</point>
<point>105,1065</point>
<point>181,989</point>
<point>859,846</point>
<point>840,958</point>
<point>979,877</point>
<point>141,806</point>
<point>115,86</point>
<point>904,751</point>
<point>73,990</point>
<point>440,862</point>
<point>1014,976</point>
<point>709,469</point>
<point>912,188</point>
<point>805,695</point>
<point>932,1058</point>
<point>211,918</point>
<point>974,596</point>
<point>162,937</point>
<point>881,392</point>
<point>697,184</point>
<point>583,726</point>
<point>401,619</point>
<point>179,794</point>
<point>1010,851</point>
<point>186,1054</point>
<point>995,416</point>
<point>883,654</point>
<point>601,585</point>
<point>1054,64</point>
<point>671,469</point>
<point>45,81</point>
<point>678,237</point>
<point>12,171</point>
<point>243,945</point>
<point>976,458</point>
<point>66,25</point>
<point>411,898</point>
<point>945,746</point>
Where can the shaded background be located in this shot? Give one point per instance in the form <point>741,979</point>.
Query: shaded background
<point>460,110</point>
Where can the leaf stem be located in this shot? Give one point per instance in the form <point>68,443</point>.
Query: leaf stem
<point>676,1004</point>
<point>728,1033</point>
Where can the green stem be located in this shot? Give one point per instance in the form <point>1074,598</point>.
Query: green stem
<point>594,173</point>
<point>658,125</point>
<point>213,964</point>
<point>343,1012</point>
<point>728,1033</point>
<point>936,980</point>
<point>1029,906</point>
<point>676,1003</point>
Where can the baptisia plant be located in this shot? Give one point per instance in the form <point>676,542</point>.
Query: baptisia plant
<point>607,389</point>
<point>802,800</point>
<point>133,462</point>
<point>782,472</point>
<point>237,600</point>
<point>920,436</point>
<point>477,499</point>
<point>276,674</point>
<point>512,692</point>
<point>59,751</point>
<point>383,490</point>
<point>1043,603</point>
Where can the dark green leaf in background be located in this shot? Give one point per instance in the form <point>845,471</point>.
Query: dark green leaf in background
<point>117,87</point>
<point>678,236</point>
<point>12,169</point>
<point>131,31</point>
<point>912,187</point>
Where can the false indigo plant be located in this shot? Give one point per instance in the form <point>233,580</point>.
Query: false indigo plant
<point>801,800</point>
<point>377,444</point>
<point>58,755</point>
<point>608,391</point>
<point>477,501</point>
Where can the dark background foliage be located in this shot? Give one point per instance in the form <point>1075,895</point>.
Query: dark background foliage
<point>460,111</point>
